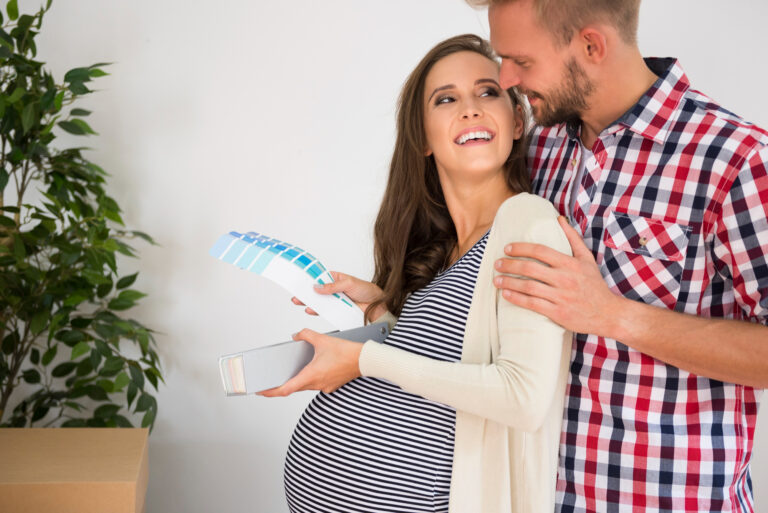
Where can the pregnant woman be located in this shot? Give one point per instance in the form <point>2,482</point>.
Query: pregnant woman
<point>460,408</point>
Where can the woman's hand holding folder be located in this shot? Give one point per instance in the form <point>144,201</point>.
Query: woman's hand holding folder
<point>334,364</point>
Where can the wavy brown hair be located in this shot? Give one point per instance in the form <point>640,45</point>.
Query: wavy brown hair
<point>414,233</point>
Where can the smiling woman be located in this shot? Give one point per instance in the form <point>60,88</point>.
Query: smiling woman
<point>460,408</point>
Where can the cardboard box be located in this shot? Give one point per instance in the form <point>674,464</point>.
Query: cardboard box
<point>73,470</point>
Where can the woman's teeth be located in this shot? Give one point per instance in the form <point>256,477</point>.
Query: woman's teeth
<point>473,136</point>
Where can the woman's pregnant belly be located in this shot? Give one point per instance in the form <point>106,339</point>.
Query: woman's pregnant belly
<point>370,446</point>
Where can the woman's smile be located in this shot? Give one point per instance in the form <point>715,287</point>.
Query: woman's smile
<point>474,136</point>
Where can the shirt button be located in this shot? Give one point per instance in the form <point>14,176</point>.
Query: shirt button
<point>642,241</point>
<point>574,162</point>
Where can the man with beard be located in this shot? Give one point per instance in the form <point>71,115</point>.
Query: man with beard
<point>666,199</point>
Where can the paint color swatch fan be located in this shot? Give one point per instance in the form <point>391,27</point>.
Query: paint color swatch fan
<point>297,271</point>
<point>292,268</point>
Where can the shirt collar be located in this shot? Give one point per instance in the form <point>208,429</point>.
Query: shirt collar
<point>651,116</point>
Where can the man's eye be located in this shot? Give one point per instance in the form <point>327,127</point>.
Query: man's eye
<point>522,64</point>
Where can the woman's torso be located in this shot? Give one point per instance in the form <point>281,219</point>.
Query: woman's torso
<point>370,446</point>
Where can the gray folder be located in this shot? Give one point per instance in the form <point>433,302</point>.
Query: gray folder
<point>271,366</point>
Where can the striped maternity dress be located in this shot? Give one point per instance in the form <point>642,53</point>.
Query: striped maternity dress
<point>370,446</point>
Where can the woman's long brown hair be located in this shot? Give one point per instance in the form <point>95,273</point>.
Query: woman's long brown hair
<point>414,233</point>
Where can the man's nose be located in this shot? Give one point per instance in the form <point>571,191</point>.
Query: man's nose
<point>508,76</point>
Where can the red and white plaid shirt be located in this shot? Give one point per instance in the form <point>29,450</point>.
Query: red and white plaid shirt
<point>674,206</point>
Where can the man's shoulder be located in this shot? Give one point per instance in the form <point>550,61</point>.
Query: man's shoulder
<point>697,112</point>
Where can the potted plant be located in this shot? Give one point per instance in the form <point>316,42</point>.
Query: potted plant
<point>63,303</point>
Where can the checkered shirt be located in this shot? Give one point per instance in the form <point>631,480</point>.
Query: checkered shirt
<point>673,205</point>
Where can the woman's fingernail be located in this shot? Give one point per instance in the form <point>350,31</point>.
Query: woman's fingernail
<point>498,264</point>
<point>497,280</point>
<point>319,286</point>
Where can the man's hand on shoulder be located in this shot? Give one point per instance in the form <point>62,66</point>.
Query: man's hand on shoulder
<point>567,289</point>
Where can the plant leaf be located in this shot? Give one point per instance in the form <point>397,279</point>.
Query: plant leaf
<point>126,281</point>
<point>31,376</point>
<point>13,9</point>
<point>131,295</point>
<point>49,355</point>
<point>131,393</point>
<point>148,419</point>
<point>28,117</point>
<point>136,375</point>
<point>121,381</point>
<point>16,95</point>
<point>80,349</point>
<point>39,322</point>
<point>106,411</point>
<point>63,369</point>
<point>77,75</point>
<point>145,402</point>
<point>72,128</point>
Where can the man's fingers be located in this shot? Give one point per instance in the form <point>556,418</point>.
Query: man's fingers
<point>528,268</point>
<point>549,256</point>
<point>538,305</point>
<point>531,288</point>
<point>578,247</point>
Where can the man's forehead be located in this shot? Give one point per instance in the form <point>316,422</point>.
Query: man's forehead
<point>516,34</point>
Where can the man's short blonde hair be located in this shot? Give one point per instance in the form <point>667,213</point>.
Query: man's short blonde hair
<point>563,18</point>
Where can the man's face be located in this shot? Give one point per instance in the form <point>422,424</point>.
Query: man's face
<point>556,85</point>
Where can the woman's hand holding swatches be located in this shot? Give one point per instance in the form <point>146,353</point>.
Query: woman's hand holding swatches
<point>362,292</point>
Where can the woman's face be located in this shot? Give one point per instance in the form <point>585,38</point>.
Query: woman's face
<point>469,120</point>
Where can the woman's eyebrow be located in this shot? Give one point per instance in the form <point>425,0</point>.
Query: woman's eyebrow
<point>477,82</point>
<point>441,88</point>
<point>487,81</point>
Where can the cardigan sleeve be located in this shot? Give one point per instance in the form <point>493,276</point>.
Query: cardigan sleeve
<point>517,388</point>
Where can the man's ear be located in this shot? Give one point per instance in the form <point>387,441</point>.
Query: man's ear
<point>593,44</point>
<point>519,122</point>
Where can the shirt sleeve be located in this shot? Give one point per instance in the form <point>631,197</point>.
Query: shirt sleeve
<point>515,389</point>
<point>740,244</point>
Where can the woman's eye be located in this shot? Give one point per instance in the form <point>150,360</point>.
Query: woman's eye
<point>490,92</point>
<point>443,99</point>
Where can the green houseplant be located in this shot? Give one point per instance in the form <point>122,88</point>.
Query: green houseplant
<point>63,328</point>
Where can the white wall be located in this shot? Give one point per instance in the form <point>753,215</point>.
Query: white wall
<point>278,117</point>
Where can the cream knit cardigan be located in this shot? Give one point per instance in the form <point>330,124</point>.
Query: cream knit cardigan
<point>509,387</point>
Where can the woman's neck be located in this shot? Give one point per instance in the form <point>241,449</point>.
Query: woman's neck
<point>473,206</point>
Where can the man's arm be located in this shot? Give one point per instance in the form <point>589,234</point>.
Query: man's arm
<point>571,292</point>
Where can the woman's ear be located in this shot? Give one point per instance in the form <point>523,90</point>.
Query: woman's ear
<point>519,122</point>
<point>428,152</point>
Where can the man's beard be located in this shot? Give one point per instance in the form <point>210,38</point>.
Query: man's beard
<point>565,102</point>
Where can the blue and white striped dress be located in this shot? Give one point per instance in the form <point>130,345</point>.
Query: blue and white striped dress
<point>370,446</point>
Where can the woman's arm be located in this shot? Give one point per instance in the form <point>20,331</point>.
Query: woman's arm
<point>518,387</point>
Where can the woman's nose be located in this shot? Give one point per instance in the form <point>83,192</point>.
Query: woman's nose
<point>471,110</point>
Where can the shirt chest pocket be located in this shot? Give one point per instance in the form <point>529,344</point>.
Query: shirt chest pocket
<point>644,257</point>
